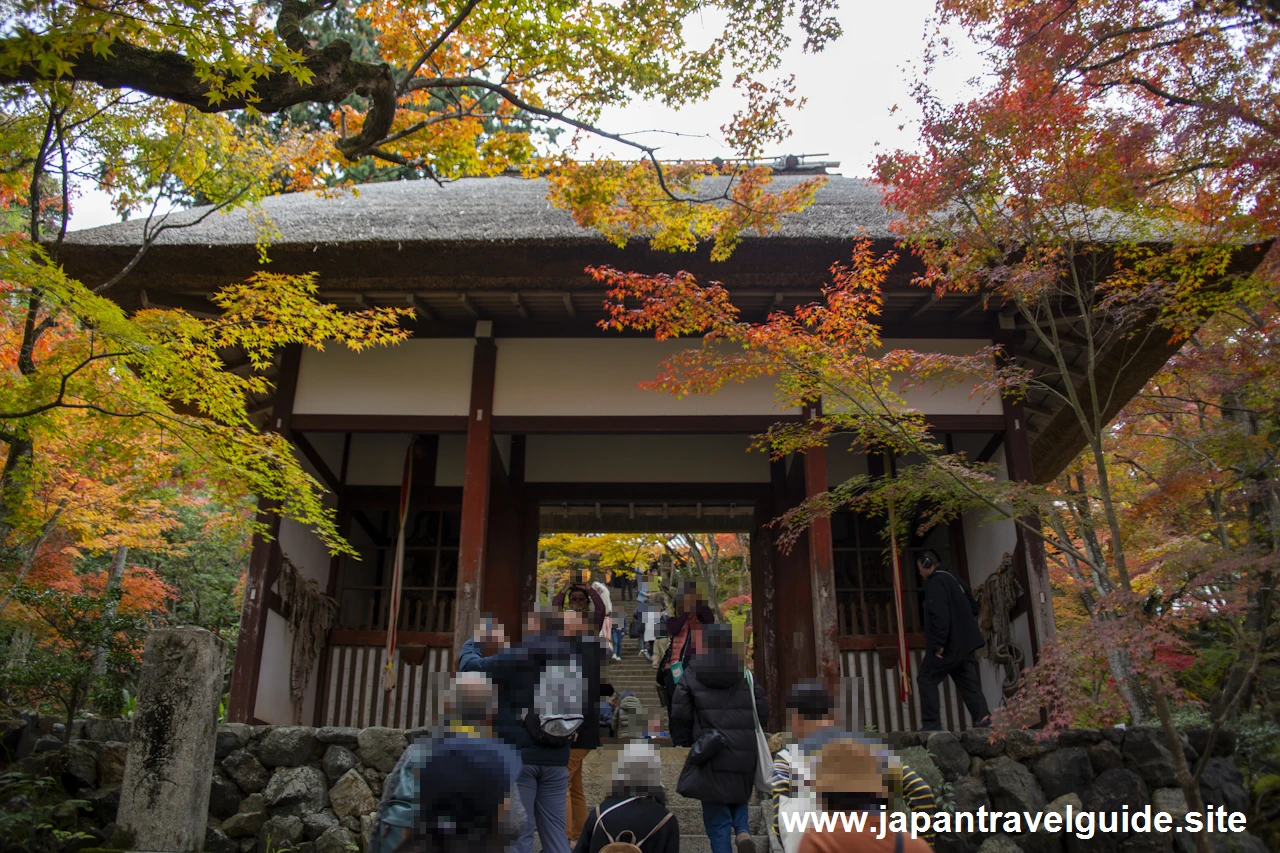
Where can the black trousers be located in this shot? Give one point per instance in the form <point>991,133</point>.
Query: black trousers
<point>964,673</point>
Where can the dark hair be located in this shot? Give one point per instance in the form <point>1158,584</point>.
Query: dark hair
<point>811,700</point>
<point>549,620</point>
<point>717,636</point>
<point>689,587</point>
<point>838,801</point>
<point>929,558</point>
<point>581,589</point>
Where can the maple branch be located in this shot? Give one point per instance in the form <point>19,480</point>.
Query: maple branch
<point>62,389</point>
<point>435,45</point>
<point>1180,100</point>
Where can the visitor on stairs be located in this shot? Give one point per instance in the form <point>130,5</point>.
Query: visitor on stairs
<point>590,652</point>
<point>714,714</point>
<point>635,812</point>
<point>952,639</point>
<point>619,630</point>
<point>685,630</point>
<point>850,777</point>
<point>812,723</point>
<point>470,706</point>
<point>518,673</point>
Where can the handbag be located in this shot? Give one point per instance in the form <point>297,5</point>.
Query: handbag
<point>707,747</point>
<point>764,758</point>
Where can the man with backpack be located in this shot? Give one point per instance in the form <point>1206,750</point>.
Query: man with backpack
<point>470,707</point>
<point>634,817</point>
<point>629,721</point>
<point>952,639</point>
<point>541,697</point>
<point>588,650</point>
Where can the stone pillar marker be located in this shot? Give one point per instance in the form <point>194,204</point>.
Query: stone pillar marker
<point>164,798</point>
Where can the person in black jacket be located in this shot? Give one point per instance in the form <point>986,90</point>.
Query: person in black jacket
<point>714,696</point>
<point>544,779</point>
<point>637,804</point>
<point>952,639</point>
<point>586,645</point>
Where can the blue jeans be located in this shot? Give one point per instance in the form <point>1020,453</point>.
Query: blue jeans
<point>723,822</point>
<point>617,642</point>
<point>542,792</point>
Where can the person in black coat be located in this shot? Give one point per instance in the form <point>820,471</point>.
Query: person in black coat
<point>637,804</point>
<point>714,696</point>
<point>952,639</point>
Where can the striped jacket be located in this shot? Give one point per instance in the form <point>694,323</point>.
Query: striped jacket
<point>904,783</point>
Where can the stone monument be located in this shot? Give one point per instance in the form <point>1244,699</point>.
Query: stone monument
<point>164,798</point>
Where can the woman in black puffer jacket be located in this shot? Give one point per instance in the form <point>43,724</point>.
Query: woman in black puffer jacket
<point>713,694</point>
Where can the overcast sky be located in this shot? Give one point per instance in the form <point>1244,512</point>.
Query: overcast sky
<point>851,89</point>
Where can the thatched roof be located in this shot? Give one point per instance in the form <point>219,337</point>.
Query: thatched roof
<point>497,210</point>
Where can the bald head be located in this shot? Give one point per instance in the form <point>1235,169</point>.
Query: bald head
<point>472,699</point>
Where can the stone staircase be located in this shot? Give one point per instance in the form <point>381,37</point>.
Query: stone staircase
<point>635,673</point>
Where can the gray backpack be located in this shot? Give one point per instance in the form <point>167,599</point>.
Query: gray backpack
<point>628,720</point>
<point>558,700</point>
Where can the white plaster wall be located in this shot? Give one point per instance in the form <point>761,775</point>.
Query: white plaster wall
<point>377,458</point>
<point>451,460</point>
<point>644,459</point>
<point>957,398</point>
<point>423,376</point>
<point>274,705</point>
<point>601,377</point>
<point>987,537</point>
<point>305,550</point>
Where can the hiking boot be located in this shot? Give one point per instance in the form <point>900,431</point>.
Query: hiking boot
<point>745,843</point>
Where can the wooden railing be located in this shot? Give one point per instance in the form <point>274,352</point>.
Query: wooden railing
<point>876,671</point>
<point>352,687</point>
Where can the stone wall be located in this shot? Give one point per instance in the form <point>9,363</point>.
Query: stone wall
<point>316,789</point>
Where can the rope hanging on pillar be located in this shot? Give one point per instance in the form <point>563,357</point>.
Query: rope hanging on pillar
<point>997,595</point>
<point>397,571</point>
<point>904,661</point>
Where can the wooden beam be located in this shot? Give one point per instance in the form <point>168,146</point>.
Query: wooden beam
<point>822,569</point>
<point>1034,568</point>
<point>989,450</point>
<point>923,306</point>
<point>764,606</point>
<point>264,564</point>
<point>424,310</point>
<point>470,306</point>
<point>520,309</point>
<point>313,456</point>
<point>475,493</point>
<point>971,307</point>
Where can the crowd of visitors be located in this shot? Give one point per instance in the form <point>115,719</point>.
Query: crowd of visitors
<point>522,719</point>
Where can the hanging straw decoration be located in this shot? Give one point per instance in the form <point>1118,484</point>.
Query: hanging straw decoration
<point>311,615</point>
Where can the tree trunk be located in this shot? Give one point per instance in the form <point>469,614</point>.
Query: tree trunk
<point>115,578</point>
<point>1190,787</point>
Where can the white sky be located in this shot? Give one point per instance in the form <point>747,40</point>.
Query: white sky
<point>851,89</point>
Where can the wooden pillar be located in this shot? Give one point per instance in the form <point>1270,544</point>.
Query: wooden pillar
<point>1034,573</point>
<point>502,586</point>
<point>475,493</point>
<point>822,571</point>
<point>530,531</point>
<point>264,562</point>
<point>764,608</point>
<point>796,659</point>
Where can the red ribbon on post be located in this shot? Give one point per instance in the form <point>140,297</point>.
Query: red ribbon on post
<point>397,572</point>
<point>904,660</point>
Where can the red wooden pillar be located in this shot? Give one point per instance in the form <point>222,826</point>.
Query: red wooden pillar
<point>264,563</point>
<point>1033,569</point>
<point>502,583</point>
<point>764,608</point>
<point>822,571</point>
<point>475,493</point>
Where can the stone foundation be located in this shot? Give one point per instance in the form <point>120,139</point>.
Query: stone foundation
<point>316,789</point>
